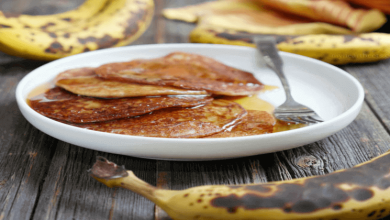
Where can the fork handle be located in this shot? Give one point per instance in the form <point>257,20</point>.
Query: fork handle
<point>267,47</point>
<point>279,71</point>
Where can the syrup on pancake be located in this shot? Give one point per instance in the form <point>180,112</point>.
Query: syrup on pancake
<point>254,123</point>
<point>183,70</point>
<point>176,122</point>
<point>84,81</point>
<point>62,105</point>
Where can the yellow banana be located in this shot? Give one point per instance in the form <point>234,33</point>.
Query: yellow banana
<point>362,192</point>
<point>117,24</point>
<point>334,49</point>
<point>55,21</point>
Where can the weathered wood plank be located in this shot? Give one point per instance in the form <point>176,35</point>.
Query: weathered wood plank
<point>375,79</point>
<point>363,140</point>
<point>129,205</point>
<point>69,193</point>
<point>39,7</point>
<point>177,31</point>
<point>24,153</point>
<point>45,7</point>
<point>43,178</point>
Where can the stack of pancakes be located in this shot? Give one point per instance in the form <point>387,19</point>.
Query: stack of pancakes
<point>180,95</point>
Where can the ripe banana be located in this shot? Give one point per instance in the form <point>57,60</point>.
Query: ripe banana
<point>55,21</point>
<point>362,192</point>
<point>334,49</point>
<point>118,23</point>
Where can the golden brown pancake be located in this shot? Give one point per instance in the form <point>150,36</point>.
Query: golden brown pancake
<point>176,123</point>
<point>183,70</point>
<point>84,81</point>
<point>62,105</point>
<point>254,123</point>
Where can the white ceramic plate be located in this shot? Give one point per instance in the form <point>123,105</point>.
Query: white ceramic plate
<point>330,91</point>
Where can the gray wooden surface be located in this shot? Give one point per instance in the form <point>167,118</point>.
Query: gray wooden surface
<point>44,178</point>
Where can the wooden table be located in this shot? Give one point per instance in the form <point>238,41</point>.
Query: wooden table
<point>44,178</point>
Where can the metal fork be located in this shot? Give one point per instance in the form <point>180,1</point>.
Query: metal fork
<point>290,110</point>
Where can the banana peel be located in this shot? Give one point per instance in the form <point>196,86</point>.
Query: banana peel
<point>362,192</point>
<point>118,23</point>
<point>333,49</point>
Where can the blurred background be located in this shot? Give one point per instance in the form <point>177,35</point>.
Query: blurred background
<point>205,21</point>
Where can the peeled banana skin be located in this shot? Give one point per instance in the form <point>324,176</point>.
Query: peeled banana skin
<point>333,49</point>
<point>361,192</point>
<point>118,23</point>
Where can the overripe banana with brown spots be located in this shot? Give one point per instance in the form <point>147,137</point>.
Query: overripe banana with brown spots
<point>54,21</point>
<point>361,192</point>
<point>334,49</point>
<point>119,23</point>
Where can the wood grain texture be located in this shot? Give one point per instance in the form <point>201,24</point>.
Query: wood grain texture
<point>42,178</point>
<point>375,79</point>
<point>23,150</point>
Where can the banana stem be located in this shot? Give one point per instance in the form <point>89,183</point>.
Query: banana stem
<point>113,175</point>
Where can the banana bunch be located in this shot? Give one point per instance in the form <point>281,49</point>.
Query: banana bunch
<point>362,192</point>
<point>334,49</point>
<point>96,24</point>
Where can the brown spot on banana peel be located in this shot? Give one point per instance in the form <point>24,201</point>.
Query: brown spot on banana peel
<point>240,37</point>
<point>5,26</point>
<point>66,35</point>
<point>316,193</point>
<point>52,35</point>
<point>56,48</point>
<point>49,24</point>
<point>67,19</point>
<point>134,22</point>
<point>348,38</point>
<point>337,207</point>
<point>298,42</point>
<point>103,42</point>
